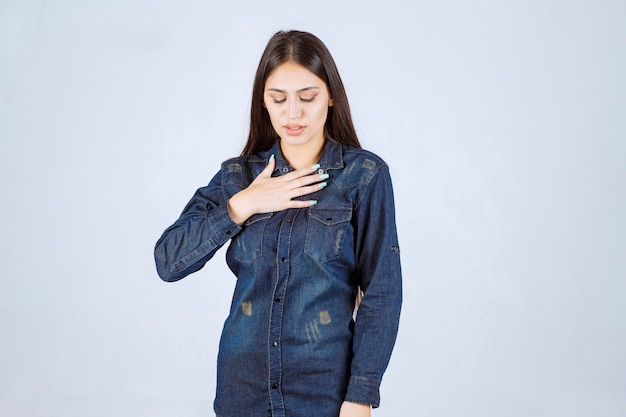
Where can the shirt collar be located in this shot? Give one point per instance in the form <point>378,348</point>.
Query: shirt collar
<point>331,158</point>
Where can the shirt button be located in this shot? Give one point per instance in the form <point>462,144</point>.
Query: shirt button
<point>275,344</point>
<point>283,259</point>
<point>285,169</point>
<point>277,299</point>
<point>289,220</point>
<point>274,386</point>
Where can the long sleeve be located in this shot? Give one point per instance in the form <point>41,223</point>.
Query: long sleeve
<point>379,274</point>
<point>203,227</point>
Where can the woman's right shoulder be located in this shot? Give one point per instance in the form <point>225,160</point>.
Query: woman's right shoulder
<point>241,169</point>
<point>242,163</point>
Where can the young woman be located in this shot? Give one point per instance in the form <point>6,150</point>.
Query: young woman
<point>311,224</point>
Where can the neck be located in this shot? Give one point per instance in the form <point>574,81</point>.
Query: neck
<point>302,156</point>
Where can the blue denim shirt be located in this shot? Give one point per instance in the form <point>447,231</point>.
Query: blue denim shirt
<point>290,346</point>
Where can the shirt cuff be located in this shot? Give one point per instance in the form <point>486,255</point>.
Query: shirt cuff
<point>222,225</point>
<point>364,390</point>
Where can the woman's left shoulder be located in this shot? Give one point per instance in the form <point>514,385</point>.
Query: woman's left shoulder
<point>367,162</point>
<point>364,158</point>
<point>361,166</point>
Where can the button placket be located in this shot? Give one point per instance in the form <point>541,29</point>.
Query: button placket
<point>276,311</point>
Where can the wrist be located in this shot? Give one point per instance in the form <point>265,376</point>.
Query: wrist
<point>238,208</point>
<point>350,409</point>
<point>358,404</point>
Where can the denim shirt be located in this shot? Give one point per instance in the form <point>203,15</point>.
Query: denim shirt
<point>290,345</point>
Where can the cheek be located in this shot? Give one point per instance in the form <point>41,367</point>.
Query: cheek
<point>273,114</point>
<point>321,114</point>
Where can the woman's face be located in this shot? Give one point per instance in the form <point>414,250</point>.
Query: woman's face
<point>297,102</point>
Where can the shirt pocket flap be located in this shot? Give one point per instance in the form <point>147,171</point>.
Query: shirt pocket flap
<point>326,231</point>
<point>331,215</point>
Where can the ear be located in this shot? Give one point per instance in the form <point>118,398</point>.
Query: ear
<point>331,102</point>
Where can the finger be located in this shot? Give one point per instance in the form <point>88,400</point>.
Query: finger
<point>302,203</point>
<point>302,191</point>
<point>307,180</point>
<point>298,173</point>
<point>269,168</point>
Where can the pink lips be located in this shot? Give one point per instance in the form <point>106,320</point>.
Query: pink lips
<point>294,129</point>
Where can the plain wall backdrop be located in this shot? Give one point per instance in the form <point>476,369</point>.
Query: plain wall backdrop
<point>504,124</point>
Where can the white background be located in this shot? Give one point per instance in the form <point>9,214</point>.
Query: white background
<point>504,126</point>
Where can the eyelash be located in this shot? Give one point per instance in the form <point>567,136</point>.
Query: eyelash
<point>304,100</point>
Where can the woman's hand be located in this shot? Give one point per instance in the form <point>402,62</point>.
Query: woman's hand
<point>349,409</point>
<point>267,194</point>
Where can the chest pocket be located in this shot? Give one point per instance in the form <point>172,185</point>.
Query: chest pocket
<point>326,231</point>
<point>248,244</point>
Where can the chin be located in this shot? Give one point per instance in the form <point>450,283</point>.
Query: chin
<point>294,141</point>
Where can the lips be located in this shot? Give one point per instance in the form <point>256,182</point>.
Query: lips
<point>293,129</point>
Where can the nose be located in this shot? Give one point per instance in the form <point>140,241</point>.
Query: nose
<point>295,110</point>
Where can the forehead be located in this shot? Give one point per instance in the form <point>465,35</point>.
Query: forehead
<point>292,76</point>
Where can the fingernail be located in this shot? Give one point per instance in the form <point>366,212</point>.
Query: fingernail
<point>323,176</point>
<point>322,184</point>
<point>313,202</point>
<point>316,166</point>
<point>271,159</point>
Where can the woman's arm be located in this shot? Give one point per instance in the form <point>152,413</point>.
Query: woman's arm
<point>212,218</point>
<point>380,278</point>
<point>203,227</point>
<point>349,409</point>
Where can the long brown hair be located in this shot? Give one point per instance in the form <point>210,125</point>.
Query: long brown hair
<point>310,52</point>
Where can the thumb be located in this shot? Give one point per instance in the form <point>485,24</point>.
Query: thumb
<point>267,171</point>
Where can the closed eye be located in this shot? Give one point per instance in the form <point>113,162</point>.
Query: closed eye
<point>308,99</point>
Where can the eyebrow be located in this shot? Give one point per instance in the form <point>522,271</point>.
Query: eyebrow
<point>278,90</point>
